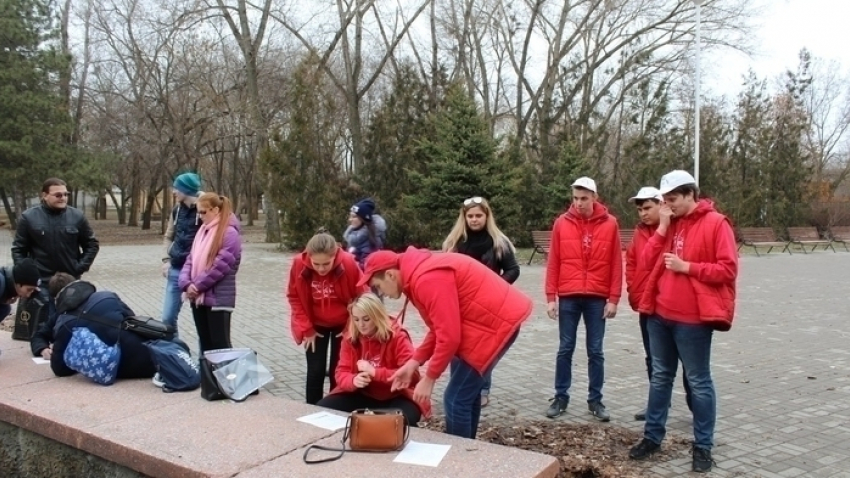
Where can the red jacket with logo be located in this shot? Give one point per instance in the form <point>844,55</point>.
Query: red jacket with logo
<point>585,257</point>
<point>470,311</point>
<point>386,357</point>
<point>321,300</point>
<point>706,294</point>
<point>637,271</point>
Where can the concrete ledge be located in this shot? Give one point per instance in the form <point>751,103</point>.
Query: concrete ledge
<point>134,425</point>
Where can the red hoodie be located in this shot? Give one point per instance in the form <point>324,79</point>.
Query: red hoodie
<point>637,271</point>
<point>321,300</point>
<point>585,257</point>
<point>386,357</point>
<point>706,294</point>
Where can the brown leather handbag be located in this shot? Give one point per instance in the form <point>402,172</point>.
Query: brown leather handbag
<point>376,431</point>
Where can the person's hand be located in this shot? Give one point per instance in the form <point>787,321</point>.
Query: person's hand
<point>165,267</point>
<point>366,367</point>
<point>665,215</point>
<point>551,310</point>
<point>47,352</point>
<point>339,335</point>
<point>675,264</point>
<point>310,342</point>
<point>424,389</point>
<point>403,376</point>
<point>11,300</point>
<point>192,292</point>
<point>362,380</point>
<point>610,310</point>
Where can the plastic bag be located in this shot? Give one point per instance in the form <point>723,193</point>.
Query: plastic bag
<point>238,372</point>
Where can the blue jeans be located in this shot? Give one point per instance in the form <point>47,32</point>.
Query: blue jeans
<point>172,302</point>
<point>488,384</point>
<point>644,334</point>
<point>570,311</point>
<point>669,342</point>
<point>462,398</point>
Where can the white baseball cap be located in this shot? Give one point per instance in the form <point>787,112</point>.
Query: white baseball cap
<point>648,192</point>
<point>674,179</point>
<point>586,183</point>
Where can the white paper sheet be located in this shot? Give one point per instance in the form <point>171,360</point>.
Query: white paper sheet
<point>40,360</point>
<point>325,420</point>
<point>423,454</point>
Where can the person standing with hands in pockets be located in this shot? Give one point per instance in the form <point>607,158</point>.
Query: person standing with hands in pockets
<point>584,274</point>
<point>322,283</point>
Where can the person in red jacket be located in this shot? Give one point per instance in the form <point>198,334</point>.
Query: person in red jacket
<point>374,347</point>
<point>584,273</point>
<point>648,203</point>
<point>690,293</point>
<point>322,282</point>
<point>473,317</point>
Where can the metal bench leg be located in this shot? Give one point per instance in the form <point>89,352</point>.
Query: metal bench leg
<point>803,247</point>
<point>532,255</point>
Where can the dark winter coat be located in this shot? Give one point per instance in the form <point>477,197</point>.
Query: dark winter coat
<point>60,240</point>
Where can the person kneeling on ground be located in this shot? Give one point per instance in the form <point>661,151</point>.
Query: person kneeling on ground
<point>75,301</point>
<point>18,281</point>
<point>374,347</point>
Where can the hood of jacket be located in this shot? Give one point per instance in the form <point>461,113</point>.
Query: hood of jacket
<point>74,295</point>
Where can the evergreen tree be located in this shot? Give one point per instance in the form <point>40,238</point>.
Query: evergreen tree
<point>33,124</point>
<point>306,177</point>
<point>461,161</point>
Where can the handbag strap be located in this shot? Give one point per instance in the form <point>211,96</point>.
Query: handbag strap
<point>341,451</point>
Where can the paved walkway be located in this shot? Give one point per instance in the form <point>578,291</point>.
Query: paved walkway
<point>782,373</point>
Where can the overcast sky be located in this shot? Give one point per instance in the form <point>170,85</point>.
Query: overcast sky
<point>822,26</point>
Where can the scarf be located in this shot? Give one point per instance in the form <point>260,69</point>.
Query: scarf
<point>201,251</point>
<point>477,244</point>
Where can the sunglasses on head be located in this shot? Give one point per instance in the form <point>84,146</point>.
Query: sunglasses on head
<point>473,200</point>
<point>60,195</point>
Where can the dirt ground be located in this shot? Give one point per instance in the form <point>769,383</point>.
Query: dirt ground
<point>583,450</point>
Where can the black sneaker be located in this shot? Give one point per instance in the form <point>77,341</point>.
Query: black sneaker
<point>643,450</point>
<point>558,407</point>
<point>598,411</point>
<point>702,460</point>
<point>640,416</point>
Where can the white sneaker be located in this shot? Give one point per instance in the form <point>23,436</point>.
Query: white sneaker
<point>157,380</point>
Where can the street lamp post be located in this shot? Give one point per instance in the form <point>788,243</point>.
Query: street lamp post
<point>698,4</point>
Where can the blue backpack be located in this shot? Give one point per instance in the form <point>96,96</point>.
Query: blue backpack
<point>90,356</point>
<point>175,365</point>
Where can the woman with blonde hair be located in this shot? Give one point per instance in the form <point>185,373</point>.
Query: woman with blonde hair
<point>322,282</point>
<point>208,278</point>
<point>374,347</point>
<point>476,234</point>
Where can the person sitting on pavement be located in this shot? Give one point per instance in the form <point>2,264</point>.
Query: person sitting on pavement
<point>75,301</point>
<point>18,281</point>
<point>373,348</point>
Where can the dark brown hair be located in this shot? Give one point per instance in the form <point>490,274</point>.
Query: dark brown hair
<point>45,187</point>
<point>687,189</point>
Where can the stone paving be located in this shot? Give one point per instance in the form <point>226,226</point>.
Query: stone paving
<point>782,372</point>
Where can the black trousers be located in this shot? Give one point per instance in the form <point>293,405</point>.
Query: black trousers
<point>350,401</point>
<point>213,327</point>
<point>317,363</point>
<point>645,336</point>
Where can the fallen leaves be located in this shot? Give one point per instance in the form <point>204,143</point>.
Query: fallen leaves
<point>583,450</point>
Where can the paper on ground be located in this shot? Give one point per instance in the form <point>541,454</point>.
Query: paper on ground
<point>425,454</point>
<point>40,360</point>
<point>325,420</point>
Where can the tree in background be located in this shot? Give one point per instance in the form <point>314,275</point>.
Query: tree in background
<point>303,163</point>
<point>461,161</point>
<point>34,125</point>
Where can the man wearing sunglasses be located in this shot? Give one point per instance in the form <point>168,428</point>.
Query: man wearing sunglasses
<point>57,236</point>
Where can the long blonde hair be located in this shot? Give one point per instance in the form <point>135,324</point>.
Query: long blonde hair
<point>377,313</point>
<point>209,201</point>
<point>501,243</point>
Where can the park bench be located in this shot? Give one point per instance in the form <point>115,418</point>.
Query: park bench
<point>808,236</point>
<point>756,237</point>
<point>626,237</point>
<point>840,234</point>
<point>541,240</point>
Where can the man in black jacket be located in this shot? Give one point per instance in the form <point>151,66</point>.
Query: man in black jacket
<point>18,281</point>
<point>58,237</point>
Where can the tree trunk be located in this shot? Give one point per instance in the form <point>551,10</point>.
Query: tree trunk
<point>8,207</point>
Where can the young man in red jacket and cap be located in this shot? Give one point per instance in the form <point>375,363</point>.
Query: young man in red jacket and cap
<point>648,203</point>
<point>690,293</point>
<point>584,274</point>
<point>473,317</point>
